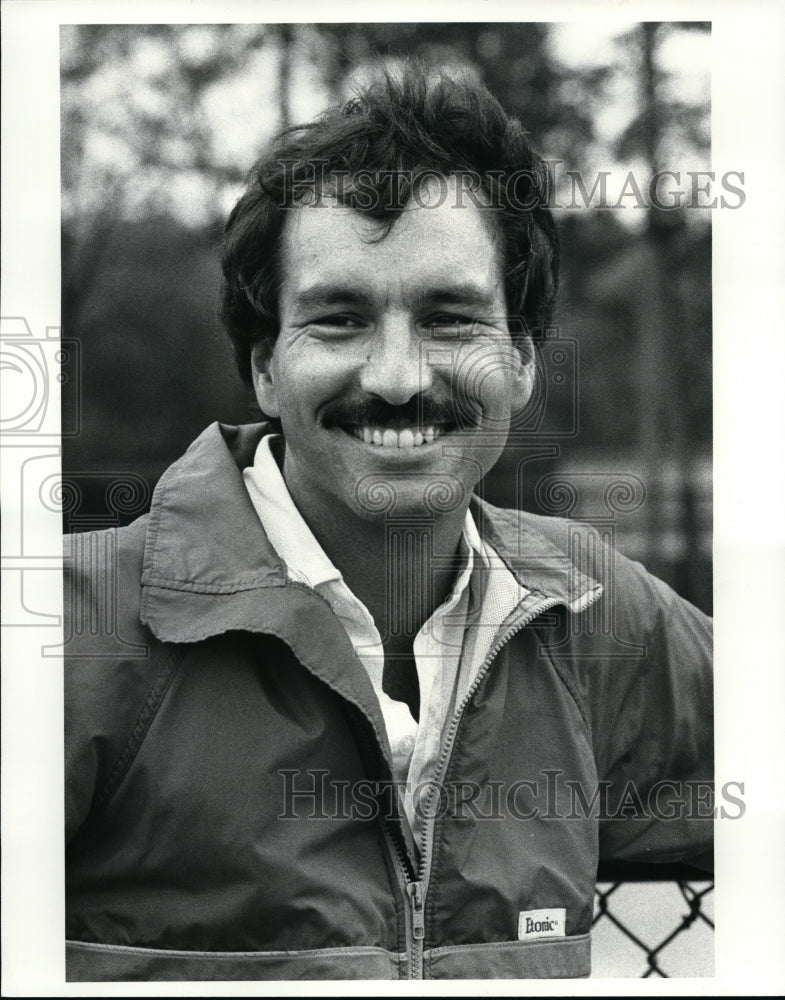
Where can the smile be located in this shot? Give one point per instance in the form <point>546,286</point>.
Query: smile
<point>387,437</point>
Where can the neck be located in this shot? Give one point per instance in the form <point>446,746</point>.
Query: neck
<point>402,569</point>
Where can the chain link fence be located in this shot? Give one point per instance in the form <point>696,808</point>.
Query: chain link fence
<point>653,923</point>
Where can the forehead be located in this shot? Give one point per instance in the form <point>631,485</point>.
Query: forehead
<point>449,243</point>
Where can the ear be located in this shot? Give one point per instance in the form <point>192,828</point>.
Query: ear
<point>263,378</point>
<point>525,376</point>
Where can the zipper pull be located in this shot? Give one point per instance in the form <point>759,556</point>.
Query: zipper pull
<point>418,914</point>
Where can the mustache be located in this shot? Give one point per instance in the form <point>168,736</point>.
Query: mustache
<point>421,410</point>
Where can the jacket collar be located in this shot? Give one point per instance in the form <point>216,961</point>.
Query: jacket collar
<point>207,557</point>
<point>209,569</point>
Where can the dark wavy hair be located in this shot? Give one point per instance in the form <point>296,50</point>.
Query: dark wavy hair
<point>393,132</point>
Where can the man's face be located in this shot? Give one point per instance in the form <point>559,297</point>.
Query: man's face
<point>394,374</point>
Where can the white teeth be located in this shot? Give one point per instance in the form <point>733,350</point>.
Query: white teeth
<point>388,438</point>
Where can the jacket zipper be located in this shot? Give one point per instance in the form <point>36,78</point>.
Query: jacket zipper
<point>417,888</point>
<point>411,888</point>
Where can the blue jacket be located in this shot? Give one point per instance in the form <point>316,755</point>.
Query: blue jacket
<point>228,804</point>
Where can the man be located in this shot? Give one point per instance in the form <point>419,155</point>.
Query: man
<point>349,721</point>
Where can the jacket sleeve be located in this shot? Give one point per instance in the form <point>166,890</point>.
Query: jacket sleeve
<point>115,672</point>
<point>650,699</point>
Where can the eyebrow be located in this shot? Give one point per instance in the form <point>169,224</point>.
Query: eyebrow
<point>329,294</point>
<point>460,293</point>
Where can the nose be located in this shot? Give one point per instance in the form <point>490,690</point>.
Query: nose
<point>396,367</point>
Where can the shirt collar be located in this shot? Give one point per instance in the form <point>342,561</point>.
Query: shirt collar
<point>284,525</point>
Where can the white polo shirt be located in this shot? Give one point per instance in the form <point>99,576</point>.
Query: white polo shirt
<point>449,649</point>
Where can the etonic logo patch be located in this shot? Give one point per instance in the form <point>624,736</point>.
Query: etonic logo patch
<point>541,923</point>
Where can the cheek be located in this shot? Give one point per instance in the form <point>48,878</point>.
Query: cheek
<point>487,380</point>
<point>305,380</point>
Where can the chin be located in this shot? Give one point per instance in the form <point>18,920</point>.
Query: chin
<point>406,493</point>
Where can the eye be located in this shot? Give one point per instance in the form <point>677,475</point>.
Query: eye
<point>450,325</point>
<point>336,320</point>
<point>337,324</point>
